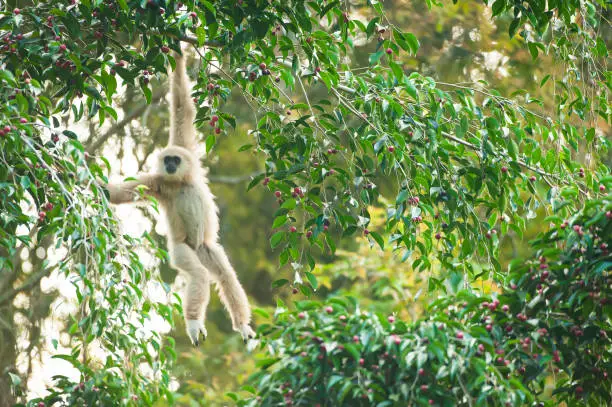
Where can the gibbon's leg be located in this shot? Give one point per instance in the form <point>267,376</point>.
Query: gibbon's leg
<point>197,293</point>
<point>126,192</point>
<point>231,292</point>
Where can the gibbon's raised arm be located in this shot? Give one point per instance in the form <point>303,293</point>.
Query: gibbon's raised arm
<point>126,192</point>
<point>182,109</point>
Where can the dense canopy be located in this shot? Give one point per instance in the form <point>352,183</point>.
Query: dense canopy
<point>416,196</point>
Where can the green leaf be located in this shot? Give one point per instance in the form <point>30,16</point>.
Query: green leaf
<point>210,142</point>
<point>201,35</point>
<point>413,42</point>
<point>147,92</point>
<point>311,279</point>
<point>514,25</point>
<point>375,57</point>
<point>376,236</point>
<point>279,221</point>
<point>15,380</point>
<point>397,71</point>
<point>276,239</point>
<point>498,7</point>
<point>255,181</point>
<point>279,283</point>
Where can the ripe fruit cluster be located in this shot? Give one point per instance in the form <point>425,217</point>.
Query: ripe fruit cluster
<point>214,123</point>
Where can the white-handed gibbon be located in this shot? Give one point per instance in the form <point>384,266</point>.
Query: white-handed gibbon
<point>180,186</point>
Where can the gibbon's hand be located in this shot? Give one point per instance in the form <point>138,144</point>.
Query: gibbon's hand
<point>194,329</point>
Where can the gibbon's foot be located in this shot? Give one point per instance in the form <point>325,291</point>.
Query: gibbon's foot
<point>246,332</point>
<point>194,328</point>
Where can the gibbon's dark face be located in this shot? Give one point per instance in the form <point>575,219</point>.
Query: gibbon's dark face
<point>172,163</point>
<point>175,163</point>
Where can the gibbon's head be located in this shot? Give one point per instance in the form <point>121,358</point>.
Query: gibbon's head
<point>176,163</point>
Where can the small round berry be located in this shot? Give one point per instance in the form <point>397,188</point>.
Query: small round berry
<point>532,178</point>
<point>309,234</point>
<point>389,51</point>
<point>262,66</point>
<point>301,315</point>
<point>292,229</point>
<point>62,47</point>
<point>438,236</point>
<point>424,387</point>
<point>366,232</point>
<point>318,69</point>
<point>504,169</point>
<point>278,194</point>
<point>459,335</point>
<point>23,120</point>
<point>602,188</point>
<point>391,149</point>
<point>505,308</point>
<point>165,49</point>
<point>16,11</point>
<point>421,372</point>
<point>361,362</point>
<point>329,310</point>
<point>391,319</point>
<point>294,290</point>
<point>217,130</point>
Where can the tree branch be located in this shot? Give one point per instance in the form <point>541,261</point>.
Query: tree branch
<point>194,40</point>
<point>96,144</point>
<point>30,282</point>
<point>227,179</point>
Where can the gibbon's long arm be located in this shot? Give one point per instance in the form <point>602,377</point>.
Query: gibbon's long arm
<point>126,192</point>
<point>182,109</point>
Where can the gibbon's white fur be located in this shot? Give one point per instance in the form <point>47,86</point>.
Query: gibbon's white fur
<point>180,185</point>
